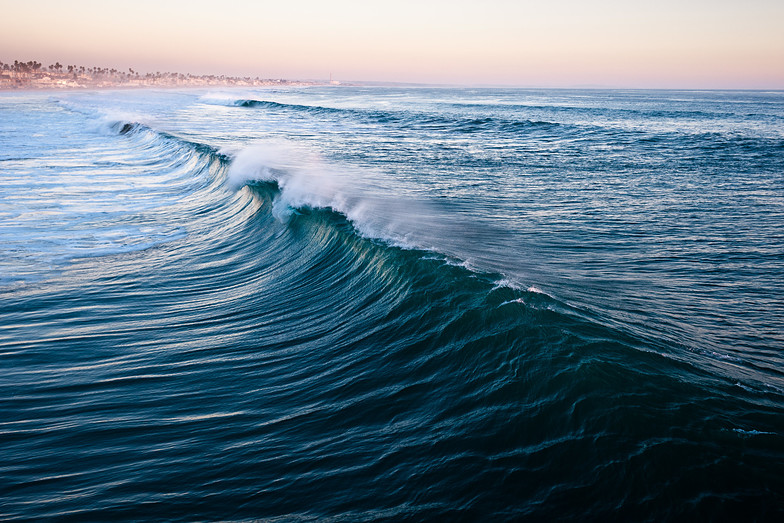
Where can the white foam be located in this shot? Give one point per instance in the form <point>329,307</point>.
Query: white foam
<point>305,179</point>
<point>223,98</point>
<point>107,123</point>
<point>752,432</point>
<point>519,287</point>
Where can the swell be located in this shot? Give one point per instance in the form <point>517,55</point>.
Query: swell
<point>328,212</point>
<point>288,198</point>
<point>624,112</point>
<point>730,141</point>
<point>408,119</point>
<point>321,214</point>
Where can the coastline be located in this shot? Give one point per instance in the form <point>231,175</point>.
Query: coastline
<point>15,80</point>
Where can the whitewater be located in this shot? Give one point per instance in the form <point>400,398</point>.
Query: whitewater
<point>385,303</point>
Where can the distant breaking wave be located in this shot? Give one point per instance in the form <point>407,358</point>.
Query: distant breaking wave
<point>406,119</point>
<point>447,122</point>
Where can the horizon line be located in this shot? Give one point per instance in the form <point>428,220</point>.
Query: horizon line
<point>136,74</point>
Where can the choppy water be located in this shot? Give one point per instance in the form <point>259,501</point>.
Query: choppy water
<point>370,303</point>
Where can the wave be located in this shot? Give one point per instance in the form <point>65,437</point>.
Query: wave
<point>300,181</point>
<point>304,181</point>
<point>139,129</point>
<point>300,178</point>
<point>299,189</point>
<point>659,113</point>
<point>297,182</point>
<point>450,123</point>
<point>296,186</point>
<point>404,118</point>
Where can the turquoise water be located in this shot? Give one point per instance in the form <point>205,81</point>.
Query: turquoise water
<point>391,303</point>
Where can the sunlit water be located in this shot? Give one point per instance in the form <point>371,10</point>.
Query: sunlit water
<point>372,303</point>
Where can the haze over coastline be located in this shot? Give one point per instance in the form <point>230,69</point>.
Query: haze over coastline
<point>669,44</point>
<point>32,74</point>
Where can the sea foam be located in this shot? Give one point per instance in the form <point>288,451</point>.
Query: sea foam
<point>306,180</point>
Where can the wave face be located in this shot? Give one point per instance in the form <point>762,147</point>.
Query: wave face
<point>370,303</point>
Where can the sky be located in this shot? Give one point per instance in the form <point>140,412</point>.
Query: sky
<point>716,44</point>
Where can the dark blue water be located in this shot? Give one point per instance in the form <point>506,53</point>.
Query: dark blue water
<point>383,304</point>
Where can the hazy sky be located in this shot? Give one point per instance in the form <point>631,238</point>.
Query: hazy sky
<point>560,43</point>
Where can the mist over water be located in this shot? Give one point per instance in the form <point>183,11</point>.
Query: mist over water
<point>378,303</point>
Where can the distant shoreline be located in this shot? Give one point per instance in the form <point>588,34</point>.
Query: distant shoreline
<point>33,76</point>
<point>52,83</point>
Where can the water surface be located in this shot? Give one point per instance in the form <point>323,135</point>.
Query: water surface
<point>388,303</point>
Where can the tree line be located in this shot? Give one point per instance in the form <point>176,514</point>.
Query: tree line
<point>33,66</point>
<point>35,69</point>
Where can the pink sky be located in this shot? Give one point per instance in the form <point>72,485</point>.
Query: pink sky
<point>561,43</point>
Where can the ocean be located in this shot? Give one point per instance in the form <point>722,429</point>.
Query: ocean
<point>341,303</point>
